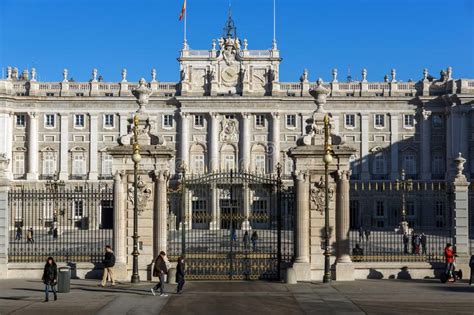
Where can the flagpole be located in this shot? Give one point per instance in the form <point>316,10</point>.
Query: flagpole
<point>274,43</point>
<point>185,24</point>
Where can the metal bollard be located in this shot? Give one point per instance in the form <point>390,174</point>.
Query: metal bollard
<point>64,280</point>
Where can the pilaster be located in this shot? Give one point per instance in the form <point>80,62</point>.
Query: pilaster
<point>32,147</point>
<point>64,165</point>
<point>184,143</point>
<point>394,138</point>
<point>275,141</point>
<point>93,153</point>
<point>425,158</point>
<point>364,146</point>
<point>160,212</point>
<point>246,141</point>
<point>4,216</point>
<point>214,145</point>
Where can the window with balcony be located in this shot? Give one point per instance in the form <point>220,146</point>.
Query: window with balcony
<point>49,164</point>
<point>19,164</point>
<point>260,163</point>
<point>409,164</point>
<point>78,165</point>
<point>379,164</point>
<point>198,164</point>
<point>107,163</point>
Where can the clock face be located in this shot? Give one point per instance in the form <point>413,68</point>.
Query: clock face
<point>229,74</point>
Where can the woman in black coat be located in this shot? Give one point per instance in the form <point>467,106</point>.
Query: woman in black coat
<point>50,278</point>
<point>180,275</point>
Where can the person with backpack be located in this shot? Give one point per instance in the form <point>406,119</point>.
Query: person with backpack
<point>50,278</point>
<point>109,263</point>
<point>449,259</point>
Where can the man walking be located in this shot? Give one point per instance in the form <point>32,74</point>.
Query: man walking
<point>423,243</point>
<point>109,263</point>
<point>406,239</point>
<point>160,270</point>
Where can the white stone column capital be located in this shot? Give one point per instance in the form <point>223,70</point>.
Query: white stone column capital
<point>246,115</point>
<point>185,115</point>
<point>343,175</point>
<point>425,114</point>
<point>276,115</point>
<point>214,115</point>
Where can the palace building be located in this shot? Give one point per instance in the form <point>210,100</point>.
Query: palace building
<point>230,113</point>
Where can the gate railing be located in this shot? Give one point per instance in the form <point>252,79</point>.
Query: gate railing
<point>72,224</point>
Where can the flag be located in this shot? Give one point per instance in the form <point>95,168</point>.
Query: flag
<point>183,11</point>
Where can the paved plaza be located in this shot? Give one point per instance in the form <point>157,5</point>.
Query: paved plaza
<point>359,297</point>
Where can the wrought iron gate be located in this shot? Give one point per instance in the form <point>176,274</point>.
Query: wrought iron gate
<point>231,226</point>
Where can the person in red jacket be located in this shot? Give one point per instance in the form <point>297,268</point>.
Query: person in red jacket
<point>449,259</point>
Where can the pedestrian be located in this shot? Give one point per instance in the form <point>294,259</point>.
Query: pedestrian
<point>254,240</point>
<point>19,233</point>
<point>413,246</point>
<point>55,233</point>
<point>367,234</point>
<point>361,234</point>
<point>109,263</point>
<point>233,235</point>
<point>423,243</point>
<point>29,236</point>
<point>160,270</point>
<point>246,240</point>
<point>471,265</point>
<point>180,275</point>
<point>406,239</point>
<point>417,244</point>
<point>50,278</point>
<point>449,260</point>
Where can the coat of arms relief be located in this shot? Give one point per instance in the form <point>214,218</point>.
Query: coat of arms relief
<point>317,195</point>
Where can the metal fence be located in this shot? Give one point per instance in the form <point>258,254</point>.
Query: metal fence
<point>72,224</point>
<point>377,209</point>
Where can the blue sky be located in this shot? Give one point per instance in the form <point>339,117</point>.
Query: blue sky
<point>408,35</point>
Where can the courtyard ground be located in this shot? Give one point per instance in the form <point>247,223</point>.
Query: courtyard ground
<point>358,297</point>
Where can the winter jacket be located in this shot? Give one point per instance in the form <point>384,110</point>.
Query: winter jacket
<point>180,271</point>
<point>449,255</point>
<point>109,260</point>
<point>160,266</point>
<point>50,274</point>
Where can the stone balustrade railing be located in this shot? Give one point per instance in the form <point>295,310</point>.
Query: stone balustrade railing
<point>168,89</point>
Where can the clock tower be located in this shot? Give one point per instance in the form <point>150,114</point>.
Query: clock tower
<point>229,68</point>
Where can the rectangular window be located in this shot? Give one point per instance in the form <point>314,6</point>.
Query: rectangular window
<point>379,209</point>
<point>259,120</point>
<point>349,120</point>
<point>291,121</point>
<point>19,167</point>
<point>379,121</point>
<point>20,120</point>
<point>78,165</point>
<point>260,164</point>
<point>107,163</point>
<point>379,164</point>
<point>168,121</point>
<point>49,120</point>
<point>49,164</point>
<point>229,162</point>
<point>437,165</point>
<point>409,164</point>
<point>198,164</point>
<point>409,121</point>
<point>109,120</point>
<point>78,209</point>
<point>198,121</point>
<point>79,121</point>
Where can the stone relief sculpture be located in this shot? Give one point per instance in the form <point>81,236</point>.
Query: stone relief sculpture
<point>144,194</point>
<point>229,130</point>
<point>317,195</point>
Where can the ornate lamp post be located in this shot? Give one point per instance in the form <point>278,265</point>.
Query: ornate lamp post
<point>53,185</point>
<point>405,185</point>
<point>136,157</point>
<point>327,160</point>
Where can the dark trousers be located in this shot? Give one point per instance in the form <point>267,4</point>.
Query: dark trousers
<point>47,288</point>
<point>180,284</point>
<point>161,284</point>
<point>472,276</point>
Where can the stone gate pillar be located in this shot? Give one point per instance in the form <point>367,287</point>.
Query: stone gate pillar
<point>461,215</point>
<point>119,221</point>
<point>310,198</point>
<point>160,212</point>
<point>4,215</point>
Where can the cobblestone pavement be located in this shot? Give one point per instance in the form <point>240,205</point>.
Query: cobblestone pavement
<point>359,297</point>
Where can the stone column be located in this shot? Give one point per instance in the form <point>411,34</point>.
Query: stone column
<point>184,144</point>
<point>9,144</point>
<point>275,141</point>
<point>214,143</point>
<point>302,219</point>
<point>461,214</point>
<point>342,217</point>
<point>64,165</point>
<point>93,152</point>
<point>246,206</point>
<point>4,215</point>
<point>119,219</point>
<point>246,141</point>
<point>364,146</point>
<point>33,147</point>
<point>395,172</point>
<point>425,158</point>
<point>160,213</point>
<point>214,224</point>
